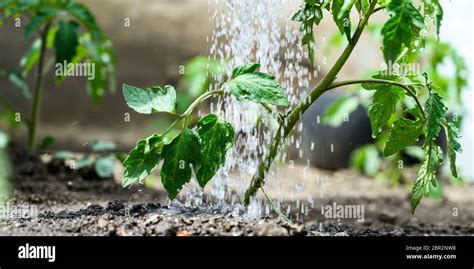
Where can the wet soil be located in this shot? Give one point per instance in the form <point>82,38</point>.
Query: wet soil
<point>61,201</point>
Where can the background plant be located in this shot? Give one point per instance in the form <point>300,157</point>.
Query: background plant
<point>102,159</point>
<point>369,158</point>
<point>57,25</point>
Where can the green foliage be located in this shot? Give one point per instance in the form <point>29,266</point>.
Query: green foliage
<point>436,114</point>
<point>58,26</point>
<point>150,100</point>
<point>179,155</point>
<point>247,84</point>
<point>404,133</point>
<point>427,174</point>
<point>102,158</point>
<point>402,109</point>
<point>143,159</point>
<point>383,106</point>
<point>217,137</point>
<point>201,149</point>
<point>5,169</point>
<point>402,29</point>
<point>310,14</point>
<point>66,41</point>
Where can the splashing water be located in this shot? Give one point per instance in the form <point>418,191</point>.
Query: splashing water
<point>254,31</point>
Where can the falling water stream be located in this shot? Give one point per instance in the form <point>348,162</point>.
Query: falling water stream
<point>254,31</point>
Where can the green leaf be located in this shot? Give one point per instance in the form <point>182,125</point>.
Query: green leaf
<point>46,142</point>
<point>335,114</point>
<point>341,14</point>
<point>249,85</point>
<point>404,133</point>
<point>452,134</point>
<point>104,166</point>
<point>30,58</point>
<point>17,80</point>
<point>401,29</point>
<point>179,155</point>
<point>245,69</point>
<point>383,106</point>
<point>435,114</point>
<point>142,160</point>
<point>426,174</point>
<point>310,14</point>
<point>85,16</point>
<point>102,146</point>
<point>217,137</point>
<point>36,22</point>
<point>66,41</point>
<point>150,100</point>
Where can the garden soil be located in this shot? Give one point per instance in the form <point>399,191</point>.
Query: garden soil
<point>71,203</point>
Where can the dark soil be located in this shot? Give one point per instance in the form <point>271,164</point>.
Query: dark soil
<point>78,203</point>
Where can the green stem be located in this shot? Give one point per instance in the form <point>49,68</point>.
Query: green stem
<point>258,180</point>
<point>381,81</point>
<point>276,209</point>
<point>35,113</point>
<point>201,98</point>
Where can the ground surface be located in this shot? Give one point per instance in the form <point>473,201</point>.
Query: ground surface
<point>63,202</point>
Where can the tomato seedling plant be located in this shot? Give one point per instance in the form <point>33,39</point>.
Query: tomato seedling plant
<point>201,147</point>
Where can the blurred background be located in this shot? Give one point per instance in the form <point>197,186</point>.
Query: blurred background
<point>154,40</point>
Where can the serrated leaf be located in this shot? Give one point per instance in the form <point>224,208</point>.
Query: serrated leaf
<point>310,14</point>
<point>404,133</point>
<point>217,137</point>
<point>435,112</point>
<point>341,16</point>
<point>249,85</point>
<point>104,166</point>
<point>401,29</point>
<point>149,100</point>
<point>383,106</point>
<point>452,134</point>
<point>85,16</point>
<point>426,174</point>
<point>178,156</point>
<point>142,160</point>
<point>66,41</point>
<point>335,114</point>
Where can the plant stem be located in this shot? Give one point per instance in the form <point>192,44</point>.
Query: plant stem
<point>201,98</point>
<point>35,112</point>
<point>381,81</point>
<point>281,214</point>
<point>258,180</point>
